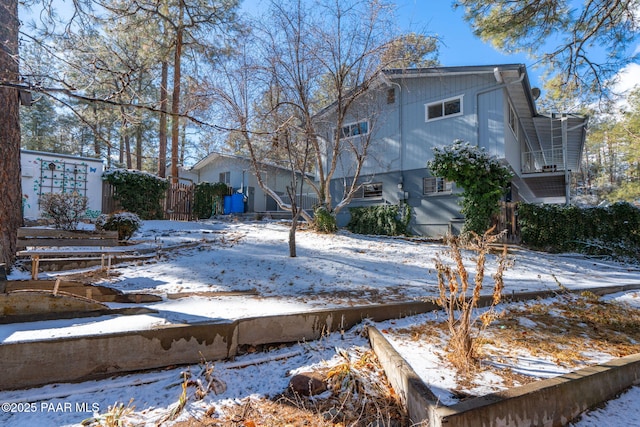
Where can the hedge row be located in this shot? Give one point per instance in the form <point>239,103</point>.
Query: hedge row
<point>209,199</point>
<point>386,220</point>
<point>613,230</point>
<point>138,192</point>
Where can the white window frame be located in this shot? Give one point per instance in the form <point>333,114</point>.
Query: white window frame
<point>363,193</point>
<point>442,103</point>
<point>225,177</point>
<point>441,186</point>
<point>354,125</point>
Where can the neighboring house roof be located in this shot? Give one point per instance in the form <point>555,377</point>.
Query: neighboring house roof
<point>218,155</point>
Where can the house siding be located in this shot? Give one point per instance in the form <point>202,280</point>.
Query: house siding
<point>243,177</point>
<point>482,122</point>
<point>514,143</point>
<point>384,154</point>
<point>491,123</point>
<point>421,136</point>
<point>433,215</point>
<point>404,143</point>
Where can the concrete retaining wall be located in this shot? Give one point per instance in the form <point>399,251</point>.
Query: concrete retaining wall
<point>551,402</point>
<point>545,403</point>
<point>29,364</point>
<point>413,392</point>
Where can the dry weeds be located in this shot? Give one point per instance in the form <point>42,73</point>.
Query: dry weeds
<point>566,330</point>
<point>359,395</point>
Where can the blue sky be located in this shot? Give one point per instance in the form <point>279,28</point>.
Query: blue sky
<point>437,17</point>
<point>460,45</point>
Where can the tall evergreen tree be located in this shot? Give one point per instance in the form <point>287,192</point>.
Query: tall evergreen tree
<point>612,169</point>
<point>10,175</point>
<point>583,44</point>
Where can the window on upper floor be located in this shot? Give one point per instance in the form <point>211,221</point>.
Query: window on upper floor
<point>225,177</point>
<point>436,185</point>
<point>442,109</point>
<point>370,190</point>
<point>355,129</point>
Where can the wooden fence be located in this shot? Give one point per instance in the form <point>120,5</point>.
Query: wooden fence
<point>177,203</point>
<point>109,202</point>
<point>507,219</point>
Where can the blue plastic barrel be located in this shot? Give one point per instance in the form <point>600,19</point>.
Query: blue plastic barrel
<point>237,203</point>
<point>227,205</point>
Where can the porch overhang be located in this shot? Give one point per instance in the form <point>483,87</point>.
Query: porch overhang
<point>552,142</point>
<point>545,186</point>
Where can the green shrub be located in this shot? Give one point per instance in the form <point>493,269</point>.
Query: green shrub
<point>138,192</point>
<point>611,231</point>
<point>125,223</point>
<point>482,177</point>
<point>387,220</point>
<point>324,221</point>
<point>209,199</point>
<point>65,209</point>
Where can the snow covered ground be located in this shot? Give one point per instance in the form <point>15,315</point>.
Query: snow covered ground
<point>330,270</point>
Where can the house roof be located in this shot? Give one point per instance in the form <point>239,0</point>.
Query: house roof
<point>65,156</point>
<point>543,132</point>
<point>460,70</point>
<point>217,155</point>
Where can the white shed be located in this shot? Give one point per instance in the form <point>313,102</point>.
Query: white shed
<point>59,173</point>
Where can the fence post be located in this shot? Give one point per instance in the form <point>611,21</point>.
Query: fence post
<point>3,278</point>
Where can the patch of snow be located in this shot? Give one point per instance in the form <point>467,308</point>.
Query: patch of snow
<point>330,271</point>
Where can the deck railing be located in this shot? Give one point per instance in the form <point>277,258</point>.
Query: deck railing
<point>543,161</point>
<point>307,202</point>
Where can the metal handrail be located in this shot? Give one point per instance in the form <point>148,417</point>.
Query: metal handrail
<point>543,161</point>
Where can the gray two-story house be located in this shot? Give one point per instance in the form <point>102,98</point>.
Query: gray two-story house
<point>490,106</point>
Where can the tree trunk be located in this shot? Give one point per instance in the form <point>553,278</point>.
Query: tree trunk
<point>109,148</point>
<point>295,216</point>
<point>121,146</point>
<point>139,135</point>
<point>162,147</point>
<point>127,148</point>
<point>292,234</point>
<point>183,143</point>
<point>10,173</point>
<point>97,151</point>
<point>175,102</point>
<point>139,147</point>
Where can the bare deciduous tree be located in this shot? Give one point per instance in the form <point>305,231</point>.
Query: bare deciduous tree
<point>298,60</point>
